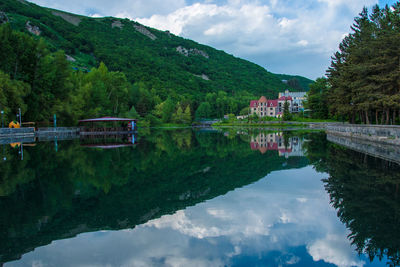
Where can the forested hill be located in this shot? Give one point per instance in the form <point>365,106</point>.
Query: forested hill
<point>165,65</point>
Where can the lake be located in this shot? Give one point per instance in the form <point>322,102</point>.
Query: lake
<point>183,197</point>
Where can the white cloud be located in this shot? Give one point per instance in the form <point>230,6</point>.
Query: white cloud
<point>334,249</point>
<point>286,210</point>
<point>125,8</point>
<point>285,36</point>
<point>255,29</point>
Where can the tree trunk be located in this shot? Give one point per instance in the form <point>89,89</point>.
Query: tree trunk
<point>382,117</point>
<point>387,116</point>
<point>366,117</point>
<point>376,117</point>
<point>394,117</point>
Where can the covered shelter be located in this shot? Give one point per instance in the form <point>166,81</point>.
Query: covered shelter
<point>108,125</point>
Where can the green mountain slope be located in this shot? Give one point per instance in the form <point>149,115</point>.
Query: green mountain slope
<point>170,65</point>
<point>295,81</point>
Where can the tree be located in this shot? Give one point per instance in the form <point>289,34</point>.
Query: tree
<point>245,111</point>
<point>364,77</point>
<point>167,110</point>
<point>287,116</point>
<point>132,113</point>
<point>187,116</point>
<point>203,111</point>
<point>317,99</point>
<point>12,95</point>
<point>178,116</point>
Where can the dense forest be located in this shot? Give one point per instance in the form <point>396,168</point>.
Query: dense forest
<point>79,67</point>
<point>363,81</point>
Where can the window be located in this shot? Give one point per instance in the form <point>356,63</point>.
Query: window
<point>261,113</point>
<point>271,113</point>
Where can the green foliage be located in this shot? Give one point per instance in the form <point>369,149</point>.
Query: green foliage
<point>317,99</point>
<point>203,111</point>
<point>245,111</point>
<point>154,67</point>
<point>132,113</point>
<point>364,74</point>
<point>182,116</point>
<point>12,95</point>
<point>297,83</point>
<point>365,192</point>
<point>287,116</point>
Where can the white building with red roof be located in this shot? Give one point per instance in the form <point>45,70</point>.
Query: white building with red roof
<point>274,107</point>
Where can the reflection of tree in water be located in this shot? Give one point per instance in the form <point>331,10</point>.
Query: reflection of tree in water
<point>52,195</point>
<point>365,192</point>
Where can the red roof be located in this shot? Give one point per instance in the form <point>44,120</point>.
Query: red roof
<point>263,99</point>
<point>272,146</point>
<point>254,145</point>
<point>107,119</point>
<point>285,98</point>
<point>272,103</point>
<point>253,103</point>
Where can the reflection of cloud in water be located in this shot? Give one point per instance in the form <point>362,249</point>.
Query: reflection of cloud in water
<point>287,210</point>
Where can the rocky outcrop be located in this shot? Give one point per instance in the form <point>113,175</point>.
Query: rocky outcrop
<point>117,24</point>
<point>3,18</point>
<point>75,20</point>
<point>192,51</point>
<point>144,31</point>
<point>32,28</point>
<point>203,76</point>
<point>69,58</point>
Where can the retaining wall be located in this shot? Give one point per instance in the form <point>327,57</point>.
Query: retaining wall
<point>376,149</point>
<point>388,134</point>
<point>17,132</point>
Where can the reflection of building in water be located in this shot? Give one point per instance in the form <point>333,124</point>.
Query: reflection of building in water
<point>290,147</point>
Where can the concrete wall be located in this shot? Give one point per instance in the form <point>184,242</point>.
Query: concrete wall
<point>380,150</point>
<point>17,132</point>
<point>387,134</point>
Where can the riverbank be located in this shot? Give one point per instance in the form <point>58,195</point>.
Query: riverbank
<point>261,124</point>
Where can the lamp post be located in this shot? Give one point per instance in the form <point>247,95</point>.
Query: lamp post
<point>20,119</point>
<point>2,119</point>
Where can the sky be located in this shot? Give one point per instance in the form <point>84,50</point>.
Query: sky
<point>284,36</point>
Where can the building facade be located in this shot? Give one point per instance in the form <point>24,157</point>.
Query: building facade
<point>274,108</point>
<point>297,99</point>
<point>263,142</point>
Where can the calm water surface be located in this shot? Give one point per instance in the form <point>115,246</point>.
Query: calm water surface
<point>197,198</point>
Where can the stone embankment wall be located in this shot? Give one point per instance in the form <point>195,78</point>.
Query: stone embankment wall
<point>375,149</point>
<point>16,132</point>
<point>61,133</point>
<point>386,134</point>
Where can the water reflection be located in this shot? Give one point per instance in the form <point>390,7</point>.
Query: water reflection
<point>365,192</point>
<point>286,144</point>
<point>180,197</point>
